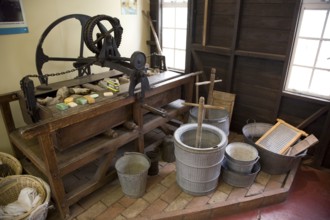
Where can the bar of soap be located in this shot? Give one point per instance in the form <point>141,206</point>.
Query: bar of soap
<point>68,100</point>
<point>108,94</point>
<point>89,99</point>
<point>72,104</point>
<point>62,106</point>
<point>94,95</point>
<point>81,101</point>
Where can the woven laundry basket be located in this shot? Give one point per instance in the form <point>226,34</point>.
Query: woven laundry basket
<point>15,167</point>
<point>10,188</point>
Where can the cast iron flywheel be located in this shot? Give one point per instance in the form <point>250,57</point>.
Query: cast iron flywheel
<point>95,45</point>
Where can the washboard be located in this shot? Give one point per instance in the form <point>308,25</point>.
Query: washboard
<point>224,99</point>
<point>280,137</point>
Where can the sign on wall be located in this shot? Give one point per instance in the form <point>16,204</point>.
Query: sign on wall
<point>128,7</point>
<point>12,17</point>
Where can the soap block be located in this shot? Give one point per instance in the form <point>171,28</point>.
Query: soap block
<point>94,95</point>
<point>68,100</point>
<point>89,99</point>
<point>62,106</point>
<point>81,101</point>
<point>108,94</point>
<point>72,104</point>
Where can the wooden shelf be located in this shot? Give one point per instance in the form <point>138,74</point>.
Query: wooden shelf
<point>173,109</point>
<point>76,156</point>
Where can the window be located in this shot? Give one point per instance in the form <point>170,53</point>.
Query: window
<point>174,32</point>
<point>309,70</point>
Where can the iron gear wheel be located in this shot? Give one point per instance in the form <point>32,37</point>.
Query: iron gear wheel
<point>95,45</point>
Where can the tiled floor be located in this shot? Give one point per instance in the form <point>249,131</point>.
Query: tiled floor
<point>165,200</point>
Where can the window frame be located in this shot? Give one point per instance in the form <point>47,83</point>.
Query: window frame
<point>307,5</point>
<point>179,4</point>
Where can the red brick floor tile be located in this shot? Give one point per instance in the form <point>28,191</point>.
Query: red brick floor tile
<point>92,211</point>
<point>155,208</point>
<point>112,212</point>
<point>126,201</point>
<point>155,192</point>
<point>198,202</point>
<point>135,209</point>
<point>179,203</point>
<point>171,193</point>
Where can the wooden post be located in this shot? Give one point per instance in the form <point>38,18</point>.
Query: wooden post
<point>197,88</point>
<point>205,21</point>
<point>211,87</point>
<point>199,122</point>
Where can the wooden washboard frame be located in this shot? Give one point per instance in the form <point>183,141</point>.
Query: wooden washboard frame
<point>280,137</point>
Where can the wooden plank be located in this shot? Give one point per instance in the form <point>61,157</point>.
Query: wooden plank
<point>313,117</point>
<point>220,7</point>
<point>221,36</point>
<point>272,23</point>
<point>302,145</point>
<point>81,131</point>
<point>268,10</point>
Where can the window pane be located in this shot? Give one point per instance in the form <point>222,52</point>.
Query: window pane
<point>180,39</point>
<point>323,60</point>
<point>181,17</point>
<point>169,17</point>
<point>327,29</point>
<point>320,82</point>
<point>169,57</point>
<point>168,37</point>
<point>312,23</point>
<point>299,78</point>
<point>180,57</point>
<point>306,52</point>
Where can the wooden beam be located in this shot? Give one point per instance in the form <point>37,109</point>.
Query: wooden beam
<point>313,117</point>
<point>205,22</point>
<point>230,73</point>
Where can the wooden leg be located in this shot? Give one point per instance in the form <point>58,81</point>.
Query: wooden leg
<point>104,166</point>
<point>55,181</point>
<point>138,119</point>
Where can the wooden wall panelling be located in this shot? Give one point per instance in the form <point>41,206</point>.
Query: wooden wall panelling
<point>256,85</point>
<point>256,36</point>
<point>198,11</point>
<point>322,154</point>
<point>208,61</point>
<point>222,21</point>
<point>297,110</point>
<point>257,62</point>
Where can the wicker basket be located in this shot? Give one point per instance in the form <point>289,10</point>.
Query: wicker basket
<point>11,186</point>
<point>12,162</point>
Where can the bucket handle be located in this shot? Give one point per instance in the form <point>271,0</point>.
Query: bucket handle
<point>258,157</point>
<point>248,121</point>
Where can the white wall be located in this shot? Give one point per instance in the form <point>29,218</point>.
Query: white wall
<point>17,52</point>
